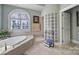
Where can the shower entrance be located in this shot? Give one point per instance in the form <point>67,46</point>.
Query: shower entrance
<point>68,28</point>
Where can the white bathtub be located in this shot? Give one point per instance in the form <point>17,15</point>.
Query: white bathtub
<point>12,43</point>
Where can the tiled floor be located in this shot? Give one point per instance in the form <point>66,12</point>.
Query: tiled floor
<point>40,49</point>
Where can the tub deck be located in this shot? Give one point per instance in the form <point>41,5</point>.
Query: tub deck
<point>19,47</point>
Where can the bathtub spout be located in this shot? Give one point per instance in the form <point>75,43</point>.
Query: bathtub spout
<point>5,46</point>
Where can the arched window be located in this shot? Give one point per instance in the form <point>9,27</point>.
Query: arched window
<point>19,19</point>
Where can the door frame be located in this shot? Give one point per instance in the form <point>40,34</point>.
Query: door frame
<point>61,20</point>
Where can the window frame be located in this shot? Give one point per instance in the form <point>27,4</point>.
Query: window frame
<point>20,11</point>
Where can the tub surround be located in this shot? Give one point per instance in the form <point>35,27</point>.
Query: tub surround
<point>17,46</point>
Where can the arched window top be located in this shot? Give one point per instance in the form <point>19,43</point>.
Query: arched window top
<point>19,14</point>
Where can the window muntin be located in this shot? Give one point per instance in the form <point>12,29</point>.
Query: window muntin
<point>19,20</point>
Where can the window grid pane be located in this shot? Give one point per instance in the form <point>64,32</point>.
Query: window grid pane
<point>19,20</point>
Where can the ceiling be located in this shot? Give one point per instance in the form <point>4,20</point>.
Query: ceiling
<point>37,7</point>
<point>41,4</point>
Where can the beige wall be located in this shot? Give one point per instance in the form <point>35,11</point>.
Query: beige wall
<point>36,27</point>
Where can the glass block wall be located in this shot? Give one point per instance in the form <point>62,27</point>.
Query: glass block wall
<point>50,26</point>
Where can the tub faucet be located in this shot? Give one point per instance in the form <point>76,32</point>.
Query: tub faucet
<point>5,46</point>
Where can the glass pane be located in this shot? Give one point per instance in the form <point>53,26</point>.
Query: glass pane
<point>15,24</point>
<point>25,24</point>
<point>24,17</point>
<point>14,16</point>
<point>18,24</point>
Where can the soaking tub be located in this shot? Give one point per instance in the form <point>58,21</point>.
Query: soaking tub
<point>16,45</point>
